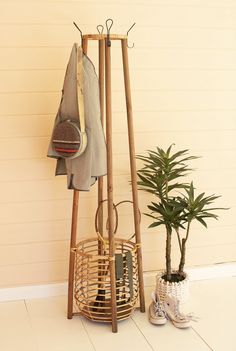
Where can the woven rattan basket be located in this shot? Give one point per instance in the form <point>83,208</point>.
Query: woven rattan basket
<point>92,279</point>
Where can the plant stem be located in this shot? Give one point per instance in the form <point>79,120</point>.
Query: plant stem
<point>188,229</point>
<point>168,253</point>
<point>183,249</point>
<point>168,242</point>
<point>179,241</point>
<point>182,258</point>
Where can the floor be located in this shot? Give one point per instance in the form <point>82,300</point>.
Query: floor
<point>41,325</point>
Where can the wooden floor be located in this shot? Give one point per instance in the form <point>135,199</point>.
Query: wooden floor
<point>41,325</point>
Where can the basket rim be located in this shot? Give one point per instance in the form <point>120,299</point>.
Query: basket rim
<point>81,252</point>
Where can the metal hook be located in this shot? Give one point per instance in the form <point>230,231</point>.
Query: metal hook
<point>100,31</point>
<point>130,47</point>
<point>81,34</point>
<point>108,31</point>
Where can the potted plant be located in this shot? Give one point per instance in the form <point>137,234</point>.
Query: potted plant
<point>175,206</point>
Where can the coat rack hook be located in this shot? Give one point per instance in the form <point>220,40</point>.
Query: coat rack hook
<point>108,30</point>
<point>130,47</point>
<point>81,34</point>
<point>100,31</point>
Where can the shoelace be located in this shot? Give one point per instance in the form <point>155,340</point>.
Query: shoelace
<point>177,313</point>
<point>158,309</point>
<point>192,317</point>
<point>189,316</point>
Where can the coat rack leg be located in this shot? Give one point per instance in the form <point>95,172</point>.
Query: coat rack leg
<point>101,91</point>
<point>133,169</point>
<point>74,221</point>
<point>110,186</point>
<point>72,254</point>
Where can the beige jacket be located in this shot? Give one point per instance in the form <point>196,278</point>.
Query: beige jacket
<point>82,172</point>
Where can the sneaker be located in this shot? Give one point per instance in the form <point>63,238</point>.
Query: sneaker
<point>171,306</point>
<point>156,312</point>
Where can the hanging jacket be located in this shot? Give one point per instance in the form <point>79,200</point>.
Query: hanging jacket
<point>82,171</point>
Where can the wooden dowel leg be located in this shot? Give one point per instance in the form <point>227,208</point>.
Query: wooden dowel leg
<point>133,169</point>
<point>101,91</point>
<point>72,254</point>
<point>85,45</point>
<point>74,221</point>
<point>110,186</point>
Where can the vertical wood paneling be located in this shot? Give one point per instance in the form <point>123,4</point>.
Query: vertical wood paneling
<point>183,80</point>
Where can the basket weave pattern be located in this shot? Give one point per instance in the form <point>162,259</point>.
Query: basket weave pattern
<point>179,290</point>
<point>92,280</point>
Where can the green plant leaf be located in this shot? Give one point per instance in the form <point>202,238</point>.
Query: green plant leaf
<point>155,224</point>
<point>204,214</point>
<point>149,215</point>
<point>199,219</point>
<point>199,197</point>
<point>146,182</point>
<point>178,154</point>
<point>168,150</point>
<point>152,208</point>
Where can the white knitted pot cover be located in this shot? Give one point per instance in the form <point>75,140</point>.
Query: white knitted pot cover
<point>180,290</point>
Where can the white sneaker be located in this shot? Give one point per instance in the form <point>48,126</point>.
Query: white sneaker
<point>171,306</point>
<point>156,312</point>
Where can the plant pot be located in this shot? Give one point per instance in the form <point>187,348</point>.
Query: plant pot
<point>178,289</point>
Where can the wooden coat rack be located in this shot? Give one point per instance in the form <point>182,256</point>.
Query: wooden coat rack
<point>104,44</point>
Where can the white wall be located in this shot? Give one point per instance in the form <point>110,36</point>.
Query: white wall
<point>183,75</point>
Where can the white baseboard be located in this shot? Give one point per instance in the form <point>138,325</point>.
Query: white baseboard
<point>220,270</point>
<point>33,292</point>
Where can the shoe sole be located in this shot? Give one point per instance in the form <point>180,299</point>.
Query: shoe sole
<point>181,325</point>
<point>157,322</point>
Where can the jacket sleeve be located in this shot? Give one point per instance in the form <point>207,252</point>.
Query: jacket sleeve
<point>61,164</point>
